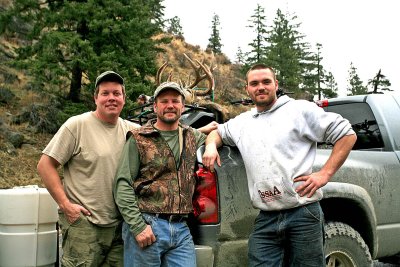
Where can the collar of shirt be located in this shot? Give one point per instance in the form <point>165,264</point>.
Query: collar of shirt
<point>255,113</point>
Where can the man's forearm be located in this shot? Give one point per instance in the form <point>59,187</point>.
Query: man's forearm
<point>211,155</point>
<point>47,169</point>
<point>339,154</point>
<point>208,128</point>
<point>127,204</point>
<point>214,138</point>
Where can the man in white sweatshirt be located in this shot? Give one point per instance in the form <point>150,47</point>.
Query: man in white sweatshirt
<point>277,141</point>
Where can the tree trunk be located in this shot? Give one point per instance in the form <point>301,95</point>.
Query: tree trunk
<point>76,80</point>
<point>376,82</point>
<point>76,84</point>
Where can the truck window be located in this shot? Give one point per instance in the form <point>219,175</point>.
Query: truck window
<point>363,122</point>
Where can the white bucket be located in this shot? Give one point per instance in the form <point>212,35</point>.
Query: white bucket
<point>28,234</point>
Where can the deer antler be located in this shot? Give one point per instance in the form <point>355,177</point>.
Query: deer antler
<point>207,74</point>
<point>159,73</point>
<point>199,67</point>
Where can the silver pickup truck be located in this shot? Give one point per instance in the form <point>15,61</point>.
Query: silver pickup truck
<point>361,203</point>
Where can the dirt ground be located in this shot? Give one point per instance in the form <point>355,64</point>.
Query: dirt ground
<point>20,169</point>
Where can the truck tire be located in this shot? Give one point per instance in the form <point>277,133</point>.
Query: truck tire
<point>345,247</point>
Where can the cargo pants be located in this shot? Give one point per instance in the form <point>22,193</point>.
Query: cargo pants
<point>88,245</point>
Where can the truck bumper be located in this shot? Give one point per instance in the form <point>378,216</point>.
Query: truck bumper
<point>204,256</point>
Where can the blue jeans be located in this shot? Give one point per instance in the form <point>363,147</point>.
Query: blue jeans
<point>293,237</point>
<point>173,247</point>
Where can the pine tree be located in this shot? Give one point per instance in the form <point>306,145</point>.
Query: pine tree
<point>287,52</point>
<point>214,42</point>
<point>174,26</point>
<point>331,89</point>
<point>379,83</point>
<point>259,43</point>
<point>313,74</point>
<point>240,56</point>
<point>316,79</point>
<point>71,42</point>
<point>355,86</point>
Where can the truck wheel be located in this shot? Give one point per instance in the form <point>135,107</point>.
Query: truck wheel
<point>345,247</point>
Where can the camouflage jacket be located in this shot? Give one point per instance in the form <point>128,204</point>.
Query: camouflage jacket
<point>160,186</point>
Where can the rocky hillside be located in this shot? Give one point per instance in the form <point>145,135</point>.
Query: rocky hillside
<point>228,79</point>
<point>26,115</point>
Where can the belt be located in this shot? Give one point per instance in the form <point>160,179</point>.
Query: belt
<point>172,217</point>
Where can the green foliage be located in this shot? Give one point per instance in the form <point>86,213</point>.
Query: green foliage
<point>215,39</point>
<point>316,80</point>
<point>240,56</point>
<point>6,96</point>
<point>331,88</point>
<point>48,116</point>
<point>282,46</point>
<point>71,42</point>
<point>287,52</point>
<point>5,76</point>
<point>379,83</point>
<point>41,118</point>
<point>313,74</point>
<point>259,43</point>
<point>355,86</point>
<point>174,26</point>
<point>70,109</point>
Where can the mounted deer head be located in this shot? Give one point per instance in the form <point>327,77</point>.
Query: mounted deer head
<point>201,70</point>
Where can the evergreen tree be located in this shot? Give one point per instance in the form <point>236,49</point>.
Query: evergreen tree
<point>155,9</point>
<point>379,83</point>
<point>316,80</point>
<point>240,56</point>
<point>71,42</point>
<point>355,86</point>
<point>331,89</point>
<point>174,26</point>
<point>313,74</point>
<point>288,53</point>
<point>259,43</point>
<point>214,42</point>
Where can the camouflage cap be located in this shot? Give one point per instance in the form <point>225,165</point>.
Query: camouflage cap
<point>169,85</point>
<point>109,76</point>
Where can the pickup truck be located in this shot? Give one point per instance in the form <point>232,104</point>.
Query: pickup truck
<point>361,202</point>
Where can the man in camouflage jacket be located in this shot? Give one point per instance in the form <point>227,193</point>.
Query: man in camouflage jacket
<point>155,182</point>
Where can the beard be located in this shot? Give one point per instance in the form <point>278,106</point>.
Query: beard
<point>264,102</point>
<point>169,120</point>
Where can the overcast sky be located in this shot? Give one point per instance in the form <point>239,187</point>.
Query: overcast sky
<point>364,32</point>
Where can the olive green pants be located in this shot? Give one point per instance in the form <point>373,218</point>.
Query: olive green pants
<point>88,245</point>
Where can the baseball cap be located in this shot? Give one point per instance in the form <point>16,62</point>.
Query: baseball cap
<point>109,76</point>
<point>169,85</point>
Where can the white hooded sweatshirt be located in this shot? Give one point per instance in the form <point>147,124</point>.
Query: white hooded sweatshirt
<point>279,145</point>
